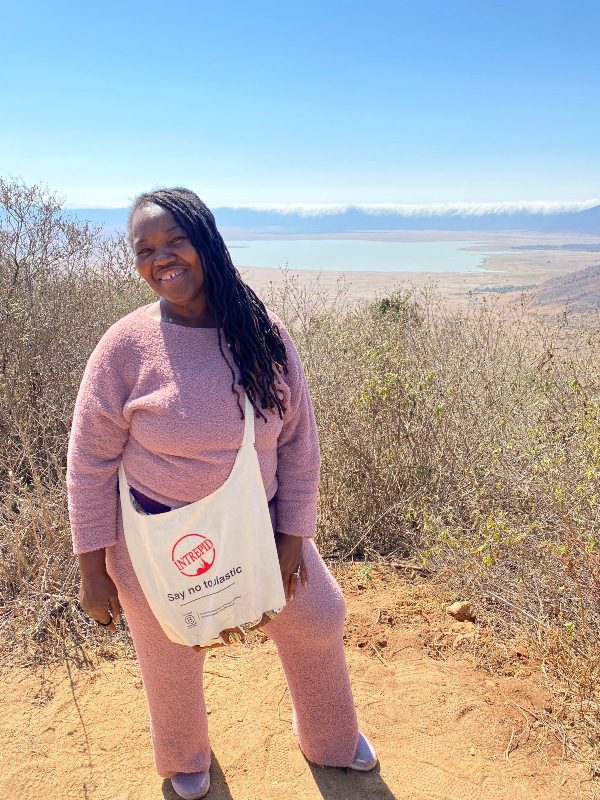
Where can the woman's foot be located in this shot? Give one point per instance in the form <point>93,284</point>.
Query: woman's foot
<point>365,757</point>
<point>191,785</point>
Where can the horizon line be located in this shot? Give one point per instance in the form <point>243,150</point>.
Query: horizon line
<point>544,207</point>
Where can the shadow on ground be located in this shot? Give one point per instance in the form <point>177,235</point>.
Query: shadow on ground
<point>334,784</point>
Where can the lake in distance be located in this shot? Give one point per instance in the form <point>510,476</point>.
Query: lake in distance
<point>356,255</point>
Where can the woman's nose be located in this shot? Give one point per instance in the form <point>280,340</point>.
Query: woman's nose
<point>163,256</point>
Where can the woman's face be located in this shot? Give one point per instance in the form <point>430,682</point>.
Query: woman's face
<point>165,257</point>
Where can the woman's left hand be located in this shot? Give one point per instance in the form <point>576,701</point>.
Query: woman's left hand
<point>289,551</point>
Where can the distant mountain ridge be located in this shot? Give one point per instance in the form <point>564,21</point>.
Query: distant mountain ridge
<point>587,221</point>
<point>577,291</point>
<point>355,219</point>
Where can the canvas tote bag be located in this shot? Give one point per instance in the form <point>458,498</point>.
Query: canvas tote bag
<point>212,564</point>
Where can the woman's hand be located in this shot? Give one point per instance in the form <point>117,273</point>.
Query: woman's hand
<point>289,551</point>
<point>228,635</point>
<point>98,594</point>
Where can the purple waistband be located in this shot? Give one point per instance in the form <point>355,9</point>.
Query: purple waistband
<point>151,506</point>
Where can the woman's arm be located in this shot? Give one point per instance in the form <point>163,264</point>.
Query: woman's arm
<point>298,464</point>
<point>298,455</point>
<point>98,435</point>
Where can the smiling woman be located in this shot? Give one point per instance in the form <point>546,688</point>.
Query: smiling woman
<point>183,450</point>
<point>169,263</point>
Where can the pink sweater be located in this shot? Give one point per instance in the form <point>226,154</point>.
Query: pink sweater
<point>159,396</point>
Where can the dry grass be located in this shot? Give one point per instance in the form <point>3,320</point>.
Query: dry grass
<point>62,285</point>
<point>468,440</point>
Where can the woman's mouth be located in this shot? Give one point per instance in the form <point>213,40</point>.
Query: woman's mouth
<point>170,275</point>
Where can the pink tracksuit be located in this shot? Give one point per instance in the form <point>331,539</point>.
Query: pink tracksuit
<point>158,396</point>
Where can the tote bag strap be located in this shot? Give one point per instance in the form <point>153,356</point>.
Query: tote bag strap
<point>248,422</point>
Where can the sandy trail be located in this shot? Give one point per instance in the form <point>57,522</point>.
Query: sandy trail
<point>444,730</point>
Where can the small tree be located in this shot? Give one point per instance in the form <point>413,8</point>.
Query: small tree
<point>62,283</point>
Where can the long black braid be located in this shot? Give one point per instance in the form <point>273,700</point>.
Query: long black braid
<point>254,341</point>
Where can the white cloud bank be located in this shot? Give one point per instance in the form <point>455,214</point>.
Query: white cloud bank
<point>424,210</point>
<point>400,209</point>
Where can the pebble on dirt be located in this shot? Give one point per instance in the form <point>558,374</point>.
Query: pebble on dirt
<point>462,611</point>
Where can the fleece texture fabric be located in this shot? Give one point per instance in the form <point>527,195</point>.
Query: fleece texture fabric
<point>159,396</point>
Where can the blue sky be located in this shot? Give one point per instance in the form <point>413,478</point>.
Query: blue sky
<point>312,102</point>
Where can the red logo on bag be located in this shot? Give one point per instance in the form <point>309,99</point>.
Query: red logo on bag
<point>193,554</point>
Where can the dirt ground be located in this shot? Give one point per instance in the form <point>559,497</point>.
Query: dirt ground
<point>444,727</point>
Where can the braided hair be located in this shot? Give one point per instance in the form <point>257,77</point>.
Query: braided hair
<point>254,341</point>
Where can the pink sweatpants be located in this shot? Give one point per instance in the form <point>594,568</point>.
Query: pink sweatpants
<point>308,635</point>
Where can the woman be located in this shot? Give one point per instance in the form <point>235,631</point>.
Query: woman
<point>162,394</point>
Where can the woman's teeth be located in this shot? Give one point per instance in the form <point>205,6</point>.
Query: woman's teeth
<point>170,275</point>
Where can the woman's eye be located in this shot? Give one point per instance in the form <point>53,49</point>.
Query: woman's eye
<point>142,253</point>
<point>178,239</point>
